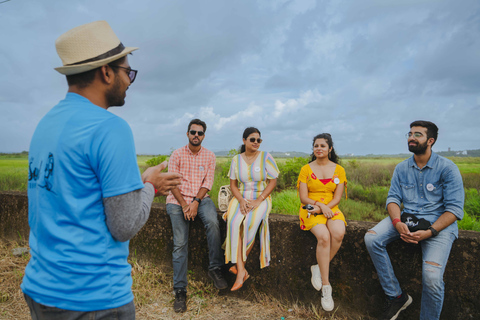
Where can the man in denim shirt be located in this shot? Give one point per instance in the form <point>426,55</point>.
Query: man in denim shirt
<point>430,187</point>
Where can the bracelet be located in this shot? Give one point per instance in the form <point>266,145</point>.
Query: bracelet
<point>315,204</point>
<point>395,221</point>
<point>262,196</point>
<point>152,186</point>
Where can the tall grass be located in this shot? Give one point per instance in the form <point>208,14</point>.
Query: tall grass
<point>286,202</point>
<point>13,179</point>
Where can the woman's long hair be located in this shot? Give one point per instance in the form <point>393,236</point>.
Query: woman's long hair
<point>332,156</point>
<point>246,133</point>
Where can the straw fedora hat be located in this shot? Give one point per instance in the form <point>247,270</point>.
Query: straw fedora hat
<point>89,46</point>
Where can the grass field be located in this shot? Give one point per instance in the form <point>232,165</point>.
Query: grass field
<point>369,179</point>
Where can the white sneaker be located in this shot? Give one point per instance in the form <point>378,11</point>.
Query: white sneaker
<point>316,277</point>
<point>327,301</point>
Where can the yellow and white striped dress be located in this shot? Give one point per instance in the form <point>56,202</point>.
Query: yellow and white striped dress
<point>252,181</point>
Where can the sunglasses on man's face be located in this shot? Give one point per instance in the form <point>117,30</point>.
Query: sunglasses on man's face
<point>200,133</point>
<point>132,74</point>
<point>252,140</point>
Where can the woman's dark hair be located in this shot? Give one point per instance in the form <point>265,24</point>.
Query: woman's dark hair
<point>332,156</point>
<point>246,133</point>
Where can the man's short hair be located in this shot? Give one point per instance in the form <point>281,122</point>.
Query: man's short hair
<point>432,129</point>
<point>197,122</point>
<point>84,79</point>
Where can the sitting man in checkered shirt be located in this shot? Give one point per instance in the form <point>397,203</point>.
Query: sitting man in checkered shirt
<point>184,203</point>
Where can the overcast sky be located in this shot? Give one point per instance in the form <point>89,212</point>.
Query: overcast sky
<point>360,70</point>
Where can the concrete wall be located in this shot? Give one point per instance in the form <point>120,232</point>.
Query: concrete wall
<point>353,277</point>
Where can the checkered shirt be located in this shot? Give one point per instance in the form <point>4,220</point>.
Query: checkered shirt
<point>198,171</point>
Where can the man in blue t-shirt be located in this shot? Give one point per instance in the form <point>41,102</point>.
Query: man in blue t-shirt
<point>430,188</point>
<point>85,192</point>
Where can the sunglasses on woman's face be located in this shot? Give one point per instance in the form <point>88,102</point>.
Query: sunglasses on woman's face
<point>252,140</point>
<point>193,132</point>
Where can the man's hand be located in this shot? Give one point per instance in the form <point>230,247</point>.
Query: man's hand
<point>186,211</point>
<point>192,210</point>
<point>417,236</point>
<point>412,237</point>
<point>163,182</point>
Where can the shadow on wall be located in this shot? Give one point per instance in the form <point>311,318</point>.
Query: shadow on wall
<point>353,277</point>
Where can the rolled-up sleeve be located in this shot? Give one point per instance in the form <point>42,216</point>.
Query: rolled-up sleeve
<point>395,193</point>
<point>453,192</point>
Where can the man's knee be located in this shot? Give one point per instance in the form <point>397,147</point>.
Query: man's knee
<point>432,275</point>
<point>369,238</point>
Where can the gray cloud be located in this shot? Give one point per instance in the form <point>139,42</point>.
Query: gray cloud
<point>359,70</point>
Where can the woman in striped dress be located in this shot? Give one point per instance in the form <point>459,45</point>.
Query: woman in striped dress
<point>253,176</point>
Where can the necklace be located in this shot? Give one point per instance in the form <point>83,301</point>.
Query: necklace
<point>251,157</point>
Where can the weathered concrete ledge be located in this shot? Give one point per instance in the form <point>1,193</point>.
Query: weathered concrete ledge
<point>355,284</point>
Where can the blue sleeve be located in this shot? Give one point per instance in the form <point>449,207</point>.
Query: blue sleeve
<point>453,192</point>
<point>114,159</point>
<point>395,193</point>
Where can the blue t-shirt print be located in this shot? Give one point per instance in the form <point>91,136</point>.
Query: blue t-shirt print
<point>42,178</point>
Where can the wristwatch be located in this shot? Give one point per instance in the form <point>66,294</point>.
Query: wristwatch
<point>197,199</point>
<point>434,232</point>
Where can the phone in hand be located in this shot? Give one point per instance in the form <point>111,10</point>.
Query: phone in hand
<point>308,207</point>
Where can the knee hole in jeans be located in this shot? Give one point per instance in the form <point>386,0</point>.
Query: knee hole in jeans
<point>432,263</point>
<point>371,232</point>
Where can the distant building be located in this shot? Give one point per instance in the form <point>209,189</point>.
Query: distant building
<point>449,149</point>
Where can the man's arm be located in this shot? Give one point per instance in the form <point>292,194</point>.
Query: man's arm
<point>127,213</point>
<point>174,166</point>
<point>206,186</point>
<point>394,200</point>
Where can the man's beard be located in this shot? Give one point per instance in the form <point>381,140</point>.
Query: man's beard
<point>418,149</point>
<point>195,144</point>
<point>114,95</point>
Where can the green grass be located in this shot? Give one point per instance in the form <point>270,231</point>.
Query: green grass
<point>469,223</point>
<point>13,173</point>
<point>286,202</point>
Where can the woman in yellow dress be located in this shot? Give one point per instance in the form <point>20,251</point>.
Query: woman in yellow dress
<point>320,186</point>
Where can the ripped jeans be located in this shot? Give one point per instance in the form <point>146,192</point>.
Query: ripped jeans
<point>434,250</point>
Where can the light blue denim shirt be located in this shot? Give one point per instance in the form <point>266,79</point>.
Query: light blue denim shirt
<point>430,191</point>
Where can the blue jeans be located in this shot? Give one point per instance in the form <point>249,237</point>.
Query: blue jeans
<point>207,212</point>
<point>435,250</point>
<point>40,312</point>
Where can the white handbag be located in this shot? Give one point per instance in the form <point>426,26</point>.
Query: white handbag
<point>224,196</point>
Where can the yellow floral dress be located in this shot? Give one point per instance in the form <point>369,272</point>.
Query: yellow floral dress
<point>321,191</point>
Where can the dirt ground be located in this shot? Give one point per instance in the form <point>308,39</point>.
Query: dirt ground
<point>152,288</point>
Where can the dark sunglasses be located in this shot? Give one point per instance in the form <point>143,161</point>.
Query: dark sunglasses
<point>200,133</point>
<point>132,74</point>
<point>252,140</point>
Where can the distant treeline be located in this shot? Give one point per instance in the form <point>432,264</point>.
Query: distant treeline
<point>296,154</point>
<point>469,153</point>
<point>23,154</point>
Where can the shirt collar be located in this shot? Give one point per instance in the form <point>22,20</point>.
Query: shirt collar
<point>430,163</point>
<point>190,151</point>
